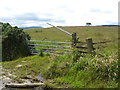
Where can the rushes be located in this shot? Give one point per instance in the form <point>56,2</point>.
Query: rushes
<point>105,68</point>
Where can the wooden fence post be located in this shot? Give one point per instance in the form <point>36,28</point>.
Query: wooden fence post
<point>74,40</point>
<point>90,46</point>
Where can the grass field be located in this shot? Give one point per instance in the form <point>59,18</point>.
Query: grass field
<point>72,70</point>
<point>98,33</point>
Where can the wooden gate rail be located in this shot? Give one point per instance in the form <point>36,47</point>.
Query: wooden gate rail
<point>49,51</point>
<point>49,41</point>
<point>49,45</point>
<point>52,49</point>
<point>64,47</point>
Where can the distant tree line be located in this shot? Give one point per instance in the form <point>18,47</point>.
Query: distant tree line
<point>14,43</point>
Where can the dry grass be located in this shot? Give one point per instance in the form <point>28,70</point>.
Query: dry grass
<point>98,33</point>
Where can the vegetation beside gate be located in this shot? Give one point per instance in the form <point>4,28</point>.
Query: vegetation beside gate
<point>14,44</point>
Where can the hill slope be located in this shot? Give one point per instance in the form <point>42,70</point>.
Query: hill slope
<point>65,71</point>
<point>98,33</point>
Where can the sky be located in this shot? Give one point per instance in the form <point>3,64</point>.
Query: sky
<point>23,13</point>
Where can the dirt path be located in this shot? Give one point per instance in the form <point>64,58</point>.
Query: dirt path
<point>4,79</point>
<point>7,77</point>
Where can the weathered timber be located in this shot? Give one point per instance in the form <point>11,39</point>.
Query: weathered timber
<point>52,49</point>
<point>82,52</point>
<point>90,46</point>
<point>102,42</point>
<point>78,47</point>
<point>49,45</point>
<point>49,51</point>
<point>81,42</point>
<point>24,85</point>
<point>74,40</point>
<point>49,42</point>
<point>60,29</point>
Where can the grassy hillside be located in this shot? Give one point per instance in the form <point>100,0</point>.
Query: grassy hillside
<point>72,70</point>
<point>65,71</point>
<point>98,33</point>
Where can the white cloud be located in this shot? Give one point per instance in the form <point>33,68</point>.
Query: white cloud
<point>58,12</point>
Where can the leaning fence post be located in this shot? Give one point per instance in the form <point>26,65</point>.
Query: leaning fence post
<point>90,46</point>
<point>74,40</point>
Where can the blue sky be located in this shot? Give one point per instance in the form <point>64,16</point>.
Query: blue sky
<point>58,12</point>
